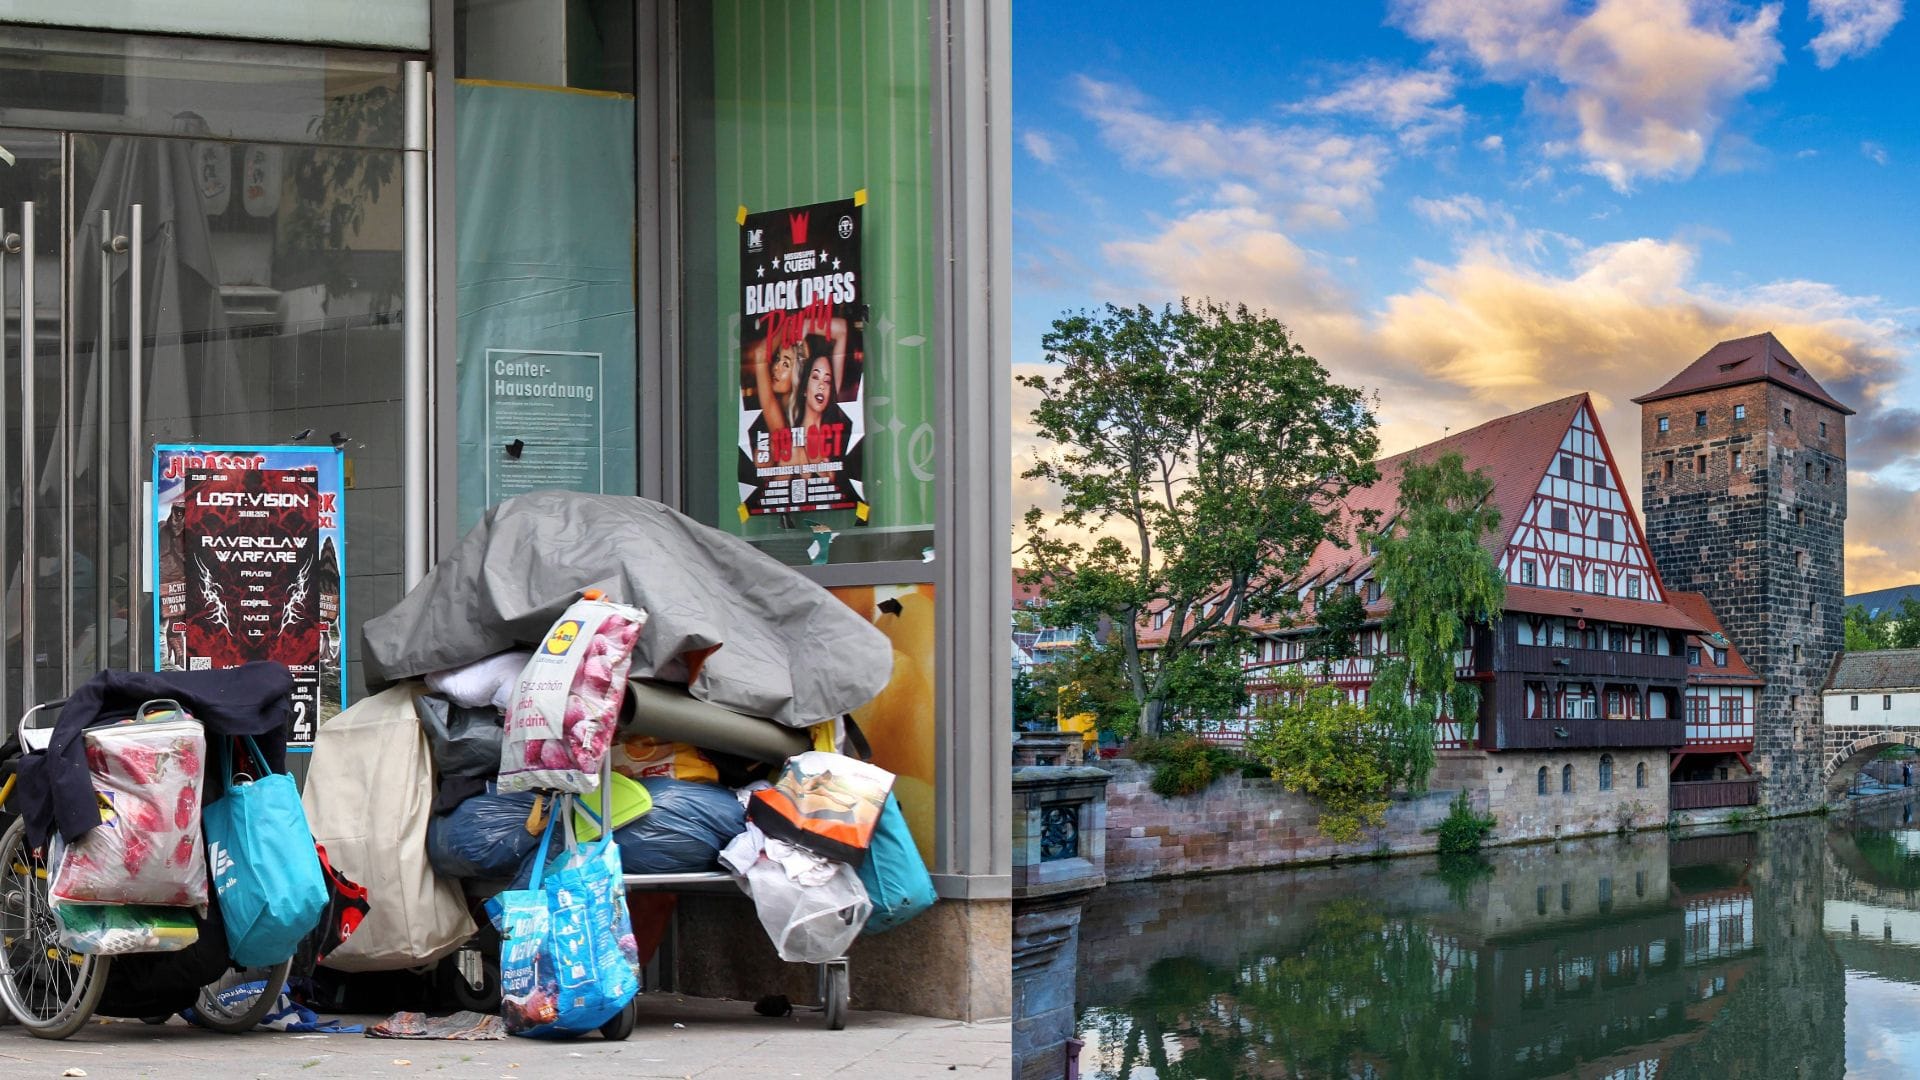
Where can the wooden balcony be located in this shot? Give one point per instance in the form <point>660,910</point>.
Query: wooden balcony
<point>1594,664</point>
<point>1524,733</point>
<point>1709,794</point>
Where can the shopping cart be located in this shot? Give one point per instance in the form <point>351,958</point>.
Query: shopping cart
<point>53,992</point>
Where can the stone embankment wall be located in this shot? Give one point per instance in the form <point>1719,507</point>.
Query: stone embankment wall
<point>1244,823</point>
<point>1238,824</point>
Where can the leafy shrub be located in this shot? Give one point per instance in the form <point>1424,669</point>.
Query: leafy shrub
<point>1184,764</point>
<point>1321,745</point>
<point>1462,831</point>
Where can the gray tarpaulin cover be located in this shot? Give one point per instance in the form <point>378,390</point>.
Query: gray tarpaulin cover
<point>784,648</point>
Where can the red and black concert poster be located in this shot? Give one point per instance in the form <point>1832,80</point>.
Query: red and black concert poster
<point>250,556</point>
<point>802,355</point>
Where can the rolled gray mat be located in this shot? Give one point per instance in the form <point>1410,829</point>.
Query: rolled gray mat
<point>667,712</point>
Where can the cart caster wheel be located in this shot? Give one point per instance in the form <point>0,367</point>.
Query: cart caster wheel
<point>621,1026</point>
<point>834,994</point>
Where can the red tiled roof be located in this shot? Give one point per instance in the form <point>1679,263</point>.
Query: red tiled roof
<point>1515,451</point>
<point>1760,358</point>
<point>1579,605</point>
<point>1736,672</point>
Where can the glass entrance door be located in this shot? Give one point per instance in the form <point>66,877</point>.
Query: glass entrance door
<point>199,244</point>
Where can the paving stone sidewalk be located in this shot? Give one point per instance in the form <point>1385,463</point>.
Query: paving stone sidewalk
<point>676,1037</point>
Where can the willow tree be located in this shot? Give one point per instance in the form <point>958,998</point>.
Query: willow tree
<point>1436,570</point>
<point>1200,456</point>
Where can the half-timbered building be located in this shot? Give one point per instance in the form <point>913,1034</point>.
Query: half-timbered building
<point>1591,692</point>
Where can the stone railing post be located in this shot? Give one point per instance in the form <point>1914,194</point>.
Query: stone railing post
<point>1059,857</point>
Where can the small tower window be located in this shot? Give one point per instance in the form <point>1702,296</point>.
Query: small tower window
<point>1823,429</point>
<point>1566,779</point>
<point>1640,776</point>
<point>1886,701</point>
<point>1669,468</point>
<point>1828,474</point>
<point>1606,772</point>
<point>1787,415</point>
<point>1543,789</point>
<point>1809,470</point>
<point>1853,702</point>
<point>1700,418</point>
<point>1799,515</point>
<point>1799,560</point>
<point>1739,412</point>
<point>1700,464</point>
<point>1796,654</point>
<point>1738,460</point>
<point>1661,424</point>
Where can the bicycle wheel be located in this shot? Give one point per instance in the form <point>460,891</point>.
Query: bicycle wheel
<point>236,1013</point>
<point>50,991</point>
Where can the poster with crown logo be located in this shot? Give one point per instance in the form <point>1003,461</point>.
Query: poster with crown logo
<point>802,357</point>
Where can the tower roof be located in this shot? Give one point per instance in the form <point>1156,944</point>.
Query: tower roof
<point>1760,358</point>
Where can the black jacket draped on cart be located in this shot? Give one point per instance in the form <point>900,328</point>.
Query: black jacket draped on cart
<point>55,788</point>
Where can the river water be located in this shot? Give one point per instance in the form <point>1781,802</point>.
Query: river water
<point>1787,949</point>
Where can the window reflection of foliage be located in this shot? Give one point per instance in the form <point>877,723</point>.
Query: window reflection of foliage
<point>333,188</point>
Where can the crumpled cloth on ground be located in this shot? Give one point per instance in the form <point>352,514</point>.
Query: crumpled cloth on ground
<point>481,683</point>
<point>461,1027</point>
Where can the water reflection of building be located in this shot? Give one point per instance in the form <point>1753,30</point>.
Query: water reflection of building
<point>1613,958</point>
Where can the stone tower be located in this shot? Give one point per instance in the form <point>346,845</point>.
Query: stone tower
<point>1744,461</point>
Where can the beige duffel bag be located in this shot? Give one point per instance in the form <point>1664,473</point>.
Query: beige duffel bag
<point>368,797</point>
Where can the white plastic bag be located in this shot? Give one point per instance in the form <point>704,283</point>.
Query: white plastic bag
<point>147,847</point>
<point>566,703</point>
<point>810,920</point>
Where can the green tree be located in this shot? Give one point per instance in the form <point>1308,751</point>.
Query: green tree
<point>1442,581</point>
<point>1220,449</point>
<point>1316,742</point>
<point>1903,626</point>
<point>1090,678</point>
<point>1864,632</point>
<point>1031,709</point>
<point>1337,622</point>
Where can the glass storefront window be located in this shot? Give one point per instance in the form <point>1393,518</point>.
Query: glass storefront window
<point>787,106</point>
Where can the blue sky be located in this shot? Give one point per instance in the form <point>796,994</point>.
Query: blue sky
<point>1474,206</point>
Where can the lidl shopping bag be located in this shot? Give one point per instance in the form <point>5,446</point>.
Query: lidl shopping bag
<point>895,876</point>
<point>266,871</point>
<point>566,704</point>
<point>568,960</point>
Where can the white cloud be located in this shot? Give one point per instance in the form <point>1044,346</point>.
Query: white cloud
<point>1874,152</point>
<point>1803,154</point>
<point>1850,28</point>
<point>1492,144</point>
<point>1323,176</point>
<point>1412,103</point>
<point>1040,146</point>
<point>1647,84</point>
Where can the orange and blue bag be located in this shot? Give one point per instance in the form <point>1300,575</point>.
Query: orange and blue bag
<point>829,804</point>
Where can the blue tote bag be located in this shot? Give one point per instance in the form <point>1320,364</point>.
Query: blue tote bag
<point>568,962</point>
<point>895,876</point>
<point>266,873</point>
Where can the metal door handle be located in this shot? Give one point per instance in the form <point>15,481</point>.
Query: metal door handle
<point>29,463</point>
<point>136,436</point>
<point>103,442</point>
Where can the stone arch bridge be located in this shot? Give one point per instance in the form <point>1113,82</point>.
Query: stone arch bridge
<point>1848,749</point>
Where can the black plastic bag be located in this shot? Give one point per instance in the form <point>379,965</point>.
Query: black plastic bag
<point>485,838</point>
<point>684,832</point>
<point>465,742</point>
